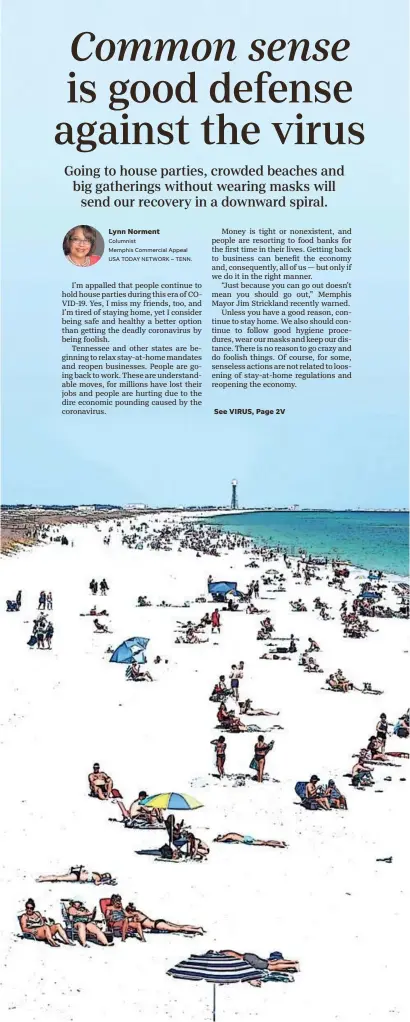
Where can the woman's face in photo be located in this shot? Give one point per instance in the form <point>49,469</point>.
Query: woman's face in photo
<point>79,245</point>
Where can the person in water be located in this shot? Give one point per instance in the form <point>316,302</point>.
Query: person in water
<point>246,839</point>
<point>37,926</point>
<point>79,245</point>
<point>77,874</point>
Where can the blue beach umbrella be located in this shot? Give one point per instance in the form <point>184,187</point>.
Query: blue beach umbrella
<point>128,650</point>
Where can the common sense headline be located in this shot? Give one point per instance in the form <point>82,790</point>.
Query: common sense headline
<point>227,91</point>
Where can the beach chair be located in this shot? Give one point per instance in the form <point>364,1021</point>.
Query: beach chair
<point>23,935</point>
<point>70,928</point>
<point>307,803</point>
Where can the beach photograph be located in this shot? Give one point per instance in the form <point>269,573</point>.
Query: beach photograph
<point>266,770</point>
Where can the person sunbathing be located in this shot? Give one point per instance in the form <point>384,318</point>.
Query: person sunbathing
<point>77,874</point>
<point>99,627</point>
<point>246,839</point>
<point>151,816</point>
<point>338,684</point>
<point>247,709</point>
<point>336,799</point>
<point>34,923</point>
<point>83,922</point>
<point>132,918</point>
<point>361,771</point>
<point>100,783</point>
<point>314,796</point>
<point>275,963</point>
<point>251,609</point>
<point>227,719</point>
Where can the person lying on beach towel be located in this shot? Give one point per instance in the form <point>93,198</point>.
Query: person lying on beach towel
<point>78,874</point>
<point>247,709</point>
<point>275,963</point>
<point>132,918</point>
<point>246,839</point>
<point>34,924</point>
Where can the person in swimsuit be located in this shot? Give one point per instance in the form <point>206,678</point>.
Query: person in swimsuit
<point>215,621</point>
<point>246,839</point>
<point>336,799</point>
<point>77,874</point>
<point>227,719</point>
<point>247,709</point>
<point>312,794</point>
<point>100,783</point>
<point>381,730</point>
<point>261,750</point>
<point>38,926</point>
<point>220,749</point>
<point>134,919</point>
<point>83,922</point>
<point>137,811</point>
<point>275,963</point>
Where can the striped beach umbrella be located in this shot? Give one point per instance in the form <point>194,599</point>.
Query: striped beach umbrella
<point>217,968</point>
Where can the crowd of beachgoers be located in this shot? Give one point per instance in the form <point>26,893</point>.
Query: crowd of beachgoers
<point>261,622</point>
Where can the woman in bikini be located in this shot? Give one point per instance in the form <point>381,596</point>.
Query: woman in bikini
<point>133,919</point>
<point>37,926</point>
<point>220,749</point>
<point>77,874</point>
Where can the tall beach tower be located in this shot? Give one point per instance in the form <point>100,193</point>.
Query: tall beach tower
<point>234,497</point>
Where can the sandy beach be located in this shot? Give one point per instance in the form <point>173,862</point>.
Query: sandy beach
<point>324,900</point>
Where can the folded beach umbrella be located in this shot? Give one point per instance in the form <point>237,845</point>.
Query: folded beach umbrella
<point>217,968</point>
<point>171,800</point>
<point>126,652</point>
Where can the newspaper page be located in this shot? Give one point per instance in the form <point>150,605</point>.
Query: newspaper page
<point>205,408</point>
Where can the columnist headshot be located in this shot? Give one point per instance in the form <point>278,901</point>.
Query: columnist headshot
<point>83,245</point>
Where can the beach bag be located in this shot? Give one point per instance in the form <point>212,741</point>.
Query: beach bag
<point>32,641</point>
<point>253,764</point>
<point>300,789</point>
<point>165,852</point>
<point>401,732</point>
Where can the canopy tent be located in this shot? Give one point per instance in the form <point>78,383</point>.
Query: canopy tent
<point>223,588</point>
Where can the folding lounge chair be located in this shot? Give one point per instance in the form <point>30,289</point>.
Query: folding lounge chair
<point>24,935</point>
<point>70,928</point>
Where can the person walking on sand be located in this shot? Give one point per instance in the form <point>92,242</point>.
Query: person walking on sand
<point>49,600</point>
<point>220,749</point>
<point>216,621</point>
<point>42,600</point>
<point>48,635</point>
<point>261,751</point>
<point>235,675</point>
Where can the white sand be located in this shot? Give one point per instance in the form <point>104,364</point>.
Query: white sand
<point>324,900</point>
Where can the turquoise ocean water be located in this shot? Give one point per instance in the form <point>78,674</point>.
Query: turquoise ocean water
<point>368,539</point>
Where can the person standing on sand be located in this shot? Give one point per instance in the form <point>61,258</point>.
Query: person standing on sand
<point>235,675</point>
<point>216,621</point>
<point>261,751</point>
<point>220,749</point>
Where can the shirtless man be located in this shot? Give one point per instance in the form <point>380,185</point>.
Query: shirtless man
<point>313,795</point>
<point>36,924</point>
<point>100,783</point>
<point>146,814</point>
